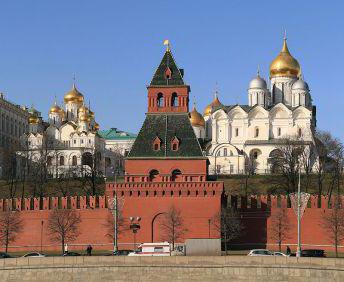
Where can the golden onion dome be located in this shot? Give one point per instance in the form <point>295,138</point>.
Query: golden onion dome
<point>96,126</point>
<point>284,64</point>
<point>55,109</point>
<point>84,117</point>
<point>196,118</point>
<point>215,103</point>
<point>74,96</point>
<point>83,109</point>
<point>33,119</point>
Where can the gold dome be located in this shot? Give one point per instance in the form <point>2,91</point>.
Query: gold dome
<point>33,119</point>
<point>84,117</point>
<point>74,96</point>
<point>284,64</point>
<point>196,118</point>
<point>83,109</point>
<point>215,103</point>
<point>55,109</point>
<point>96,126</point>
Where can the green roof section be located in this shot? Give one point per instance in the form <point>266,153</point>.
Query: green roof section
<point>159,78</point>
<point>166,127</point>
<point>115,134</point>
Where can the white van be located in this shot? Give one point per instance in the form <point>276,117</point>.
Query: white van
<point>152,249</point>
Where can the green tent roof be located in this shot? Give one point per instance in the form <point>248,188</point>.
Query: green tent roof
<point>115,134</point>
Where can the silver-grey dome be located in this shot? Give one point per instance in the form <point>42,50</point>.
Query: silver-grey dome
<point>300,85</point>
<point>257,82</point>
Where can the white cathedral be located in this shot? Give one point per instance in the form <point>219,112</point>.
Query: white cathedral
<point>234,133</point>
<point>68,141</point>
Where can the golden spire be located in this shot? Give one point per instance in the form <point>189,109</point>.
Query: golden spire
<point>167,44</point>
<point>215,103</point>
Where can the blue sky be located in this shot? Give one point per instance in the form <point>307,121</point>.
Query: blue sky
<point>114,47</point>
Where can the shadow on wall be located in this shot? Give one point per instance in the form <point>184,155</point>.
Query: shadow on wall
<point>254,216</point>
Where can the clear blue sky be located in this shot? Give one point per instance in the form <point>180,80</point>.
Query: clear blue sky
<point>114,47</point>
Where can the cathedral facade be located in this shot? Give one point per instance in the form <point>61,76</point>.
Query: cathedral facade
<point>68,142</point>
<point>234,134</point>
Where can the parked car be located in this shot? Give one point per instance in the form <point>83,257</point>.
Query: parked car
<point>313,253</point>
<point>4,255</point>
<point>71,254</point>
<point>260,252</point>
<point>34,255</point>
<point>280,254</point>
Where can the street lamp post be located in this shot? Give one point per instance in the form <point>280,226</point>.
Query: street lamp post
<point>135,227</point>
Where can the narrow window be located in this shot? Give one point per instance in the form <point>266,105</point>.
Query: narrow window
<point>174,101</point>
<point>256,132</point>
<point>62,160</point>
<point>225,152</point>
<point>237,132</point>
<point>279,131</point>
<point>74,161</point>
<point>300,132</point>
<point>160,100</point>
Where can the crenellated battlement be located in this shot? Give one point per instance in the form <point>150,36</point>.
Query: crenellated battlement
<point>266,202</point>
<point>160,189</point>
<point>49,203</point>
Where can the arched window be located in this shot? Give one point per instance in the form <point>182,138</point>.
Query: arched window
<point>176,175</point>
<point>174,101</point>
<point>255,155</point>
<point>160,100</point>
<point>175,144</point>
<point>156,144</point>
<point>62,161</point>
<point>225,152</point>
<point>153,175</point>
<point>256,132</point>
<point>74,160</point>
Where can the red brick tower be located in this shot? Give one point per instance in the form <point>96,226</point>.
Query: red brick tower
<point>166,166</point>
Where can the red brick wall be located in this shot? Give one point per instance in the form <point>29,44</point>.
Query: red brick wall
<point>257,214</point>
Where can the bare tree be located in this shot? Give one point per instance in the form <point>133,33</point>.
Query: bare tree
<point>172,225</point>
<point>286,160</point>
<point>11,225</point>
<point>280,227</point>
<point>63,226</point>
<point>228,223</point>
<point>333,222</point>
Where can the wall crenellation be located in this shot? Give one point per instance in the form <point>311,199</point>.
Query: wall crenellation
<point>50,203</point>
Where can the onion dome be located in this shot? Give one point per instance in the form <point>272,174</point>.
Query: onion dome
<point>96,126</point>
<point>33,119</point>
<point>284,64</point>
<point>83,109</point>
<point>74,96</point>
<point>33,116</point>
<point>257,82</point>
<point>215,103</point>
<point>84,117</point>
<point>55,109</point>
<point>300,85</point>
<point>196,118</point>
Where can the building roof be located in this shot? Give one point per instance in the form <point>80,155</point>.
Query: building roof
<point>115,134</point>
<point>166,127</point>
<point>159,78</point>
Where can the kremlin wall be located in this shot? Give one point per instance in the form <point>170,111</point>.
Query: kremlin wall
<point>257,213</point>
